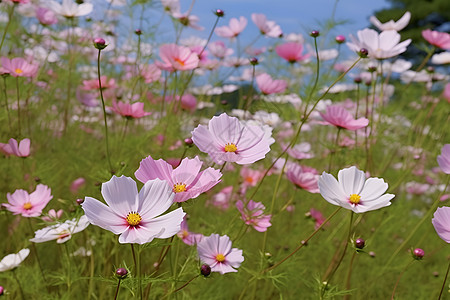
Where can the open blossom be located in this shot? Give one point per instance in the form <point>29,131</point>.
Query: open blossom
<point>234,28</point>
<point>12,261</point>
<point>441,223</point>
<point>176,57</point>
<point>46,16</point>
<point>338,116</point>
<point>150,73</point>
<point>291,51</point>
<point>187,180</point>
<point>226,139</point>
<point>444,159</point>
<point>253,215</point>
<point>268,86</point>
<point>353,191</point>
<point>380,46</point>
<point>18,67</point>
<point>28,205</point>
<point>70,9</point>
<point>437,38</point>
<point>391,24</point>
<point>317,216</point>
<point>222,199</point>
<point>93,84</point>
<point>216,251</point>
<point>267,28</point>
<point>219,50</point>
<point>189,238</point>
<point>299,151</point>
<point>250,176</point>
<point>131,111</point>
<point>302,178</point>
<point>61,232</point>
<point>21,149</point>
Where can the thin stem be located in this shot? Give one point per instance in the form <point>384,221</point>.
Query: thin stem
<point>104,113</point>
<point>33,246</point>
<point>336,146</point>
<point>69,79</point>
<point>445,279</point>
<point>349,274</point>
<point>185,284</point>
<point>69,270</point>
<point>137,267</point>
<point>18,284</point>
<point>18,104</point>
<point>223,167</point>
<point>7,105</point>
<point>249,99</point>
<point>316,81</point>
<point>7,25</point>
<point>398,279</point>
<point>117,290</point>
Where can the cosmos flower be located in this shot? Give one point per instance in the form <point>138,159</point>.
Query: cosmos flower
<point>187,180</point>
<point>189,238</point>
<point>338,116</point>
<point>302,178</point>
<point>28,205</point>
<point>437,38</point>
<point>216,251</point>
<point>52,215</point>
<point>444,159</point>
<point>226,139</point>
<point>391,24</point>
<point>234,28</point>
<point>291,51</point>
<point>60,232</point>
<point>380,46</point>
<point>267,28</point>
<point>353,191</point>
<point>21,149</point>
<point>12,261</point>
<point>253,215</point>
<point>219,50</point>
<point>176,57</point>
<point>135,216</point>
<point>70,9</point>
<point>19,67</point>
<point>130,111</point>
<point>441,223</point>
<point>268,86</point>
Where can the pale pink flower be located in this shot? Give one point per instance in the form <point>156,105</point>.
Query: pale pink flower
<point>234,28</point>
<point>77,184</point>
<point>189,238</point>
<point>150,73</point>
<point>444,159</point>
<point>253,215</point>
<point>21,149</point>
<point>353,191</point>
<point>46,16</point>
<point>52,215</point>
<point>299,151</point>
<point>268,86</point>
<point>219,50</point>
<point>292,52</point>
<point>216,251</point>
<point>267,28</point>
<point>93,84</point>
<point>338,116</point>
<point>171,6</point>
<point>188,20</point>
<point>187,180</point>
<point>317,216</point>
<point>380,46</point>
<point>222,199</point>
<point>250,176</point>
<point>61,232</point>
<point>70,9</point>
<point>135,216</point>
<point>130,111</point>
<point>441,223</point>
<point>176,57</point>
<point>19,67</point>
<point>28,205</point>
<point>391,24</point>
<point>227,139</point>
<point>302,178</point>
<point>436,38</point>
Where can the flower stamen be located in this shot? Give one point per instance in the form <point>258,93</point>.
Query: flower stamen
<point>220,257</point>
<point>230,147</point>
<point>27,206</point>
<point>133,219</point>
<point>179,187</point>
<point>18,71</point>
<point>355,199</point>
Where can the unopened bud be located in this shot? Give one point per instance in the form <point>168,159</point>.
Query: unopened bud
<point>205,270</point>
<point>99,43</point>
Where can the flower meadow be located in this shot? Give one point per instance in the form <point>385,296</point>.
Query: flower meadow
<point>297,165</point>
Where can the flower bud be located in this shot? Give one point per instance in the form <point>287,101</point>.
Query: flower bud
<point>121,273</point>
<point>188,142</point>
<point>80,201</point>
<point>224,102</point>
<point>219,13</point>
<point>357,80</point>
<point>138,32</point>
<point>340,39</point>
<point>418,253</point>
<point>360,243</point>
<point>99,43</point>
<point>363,53</point>
<point>314,33</point>
<point>253,61</point>
<point>1,290</point>
<point>205,270</point>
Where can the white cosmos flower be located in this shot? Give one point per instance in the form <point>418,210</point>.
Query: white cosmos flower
<point>352,190</point>
<point>13,260</point>
<point>61,232</point>
<point>391,24</point>
<point>441,58</point>
<point>70,9</point>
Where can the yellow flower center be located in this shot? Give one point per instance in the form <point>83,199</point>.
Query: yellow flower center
<point>64,234</point>
<point>179,187</point>
<point>180,61</point>
<point>185,234</point>
<point>220,257</point>
<point>134,219</point>
<point>230,147</point>
<point>355,198</point>
<point>27,206</point>
<point>18,71</point>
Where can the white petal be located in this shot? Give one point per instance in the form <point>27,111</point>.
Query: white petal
<point>352,180</point>
<point>120,193</point>
<point>155,197</point>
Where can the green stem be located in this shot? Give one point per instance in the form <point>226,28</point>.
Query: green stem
<point>7,105</point>
<point>7,25</point>
<point>398,279</point>
<point>336,146</point>
<point>137,267</point>
<point>18,105</point>
<point>69,76</point>
<point>445,279</point>
<point>117,290</point>
<point>33,247</point>
<point>18,284</point>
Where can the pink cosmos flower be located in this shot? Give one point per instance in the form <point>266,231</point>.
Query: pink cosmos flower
<point>253,215</point>
<point>292,52</point>
<point>317,216</point>
<point>92,84</point>
<point>250,176</point>
<point>28,205</point>
<point>234,29</point>
<point>268,86</point>
<point>150,73</point>
<point>338,116</point>
<point>19,67</point>
<point>130,111</point>
<point>436,38</point>
<point>391,24</point>
<point>441,223</point>
<point>302,178</point>
<point>135,216</point>
<point>77,184</point>
<point>219,50</point>
<point>267,28</point>
<point>188,101</point>
<point>380,46</point>
<point>46,16</point>
<point>353,191</point>
<point>188,237</point>
<point>21,149</point>
<point>227,139</point>
<point>52,215</point>
<point>222,199</point>
<point>216,251</point>
<point>176,57</point>
<point>299,151</point>
<point>444,159</point>
<point>187,180</point>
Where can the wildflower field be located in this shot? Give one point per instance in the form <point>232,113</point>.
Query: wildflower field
<point>293,165</point>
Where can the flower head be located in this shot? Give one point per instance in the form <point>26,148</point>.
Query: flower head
<point>292,52</point>
<point>302,178</point>
<point>70,9</point>
<point>189,238</point>
<point>28,205</point>
<point>227,139</point>
<point>187,180</point>
<point>391,24</point>
<point>135,216</point>
<point>60,232</point>
<point>268,86</point>
<point>216,251</point>
<point>21,149</point>
<point>441,223</point>
<point>234,28</point>
<point>19,67</point>
<point>338,116</point>
<point>253,215</point>
<point>176,57</point>
<point>266,27</point>
<point>131,111</point>
<point>353,191</point>
<point>436,38</point>
<point>12,261</point>
<point>444,159</point>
